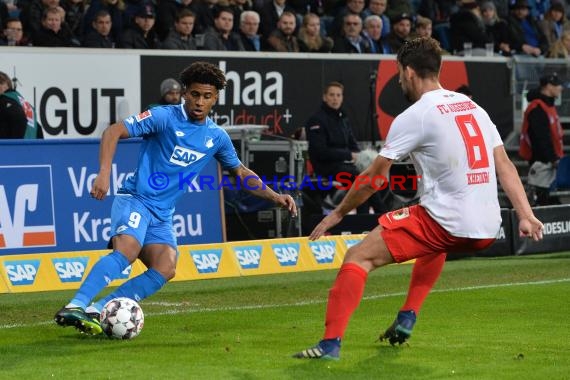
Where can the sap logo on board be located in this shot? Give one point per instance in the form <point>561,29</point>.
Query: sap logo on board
<point>350,242</point>
<point>323,251</point>
<point>26,207</point>
<point>184,156</point>
<point>286,254</point>
<point>70,269</point>
<point>249,256</point>
<point>206,261</point>
<point>253,89</point>
<point>22,272</point>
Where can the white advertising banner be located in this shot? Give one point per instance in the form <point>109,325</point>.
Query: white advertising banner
<point>77,92</point>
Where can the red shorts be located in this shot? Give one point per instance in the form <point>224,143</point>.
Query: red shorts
<point>410,233</point>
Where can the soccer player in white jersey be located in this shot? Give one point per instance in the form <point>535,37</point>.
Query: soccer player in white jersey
<point>457,151</point>
<point>179,140</point>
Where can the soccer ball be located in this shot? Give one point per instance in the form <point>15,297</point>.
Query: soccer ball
<point>122,318</point>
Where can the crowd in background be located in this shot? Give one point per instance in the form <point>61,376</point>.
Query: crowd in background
<point>508,27</point>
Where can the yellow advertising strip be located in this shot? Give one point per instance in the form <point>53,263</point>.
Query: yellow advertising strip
<point>67,270</point>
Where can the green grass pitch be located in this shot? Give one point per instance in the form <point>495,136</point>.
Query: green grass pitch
<point>499,318</point>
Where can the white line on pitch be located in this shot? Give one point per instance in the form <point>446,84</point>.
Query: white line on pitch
<point>294,304</point>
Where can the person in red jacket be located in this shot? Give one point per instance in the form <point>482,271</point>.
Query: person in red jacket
<point>541,137</point>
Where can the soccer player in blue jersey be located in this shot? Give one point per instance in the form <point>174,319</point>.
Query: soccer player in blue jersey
<point>177,139</point>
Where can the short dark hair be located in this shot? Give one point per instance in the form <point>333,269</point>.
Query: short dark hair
<point>204,73</point>
<point>333,84</point>
<point>100,14</point>
<point>421,54</point>
<point>184,12</point>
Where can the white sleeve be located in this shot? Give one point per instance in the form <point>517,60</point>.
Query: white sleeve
<point>405,135</point>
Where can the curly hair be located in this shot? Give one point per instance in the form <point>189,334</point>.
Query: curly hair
<point>203,73</point>
<point>422,54</point>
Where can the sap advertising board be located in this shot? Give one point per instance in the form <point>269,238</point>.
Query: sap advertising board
<point>45,205</point>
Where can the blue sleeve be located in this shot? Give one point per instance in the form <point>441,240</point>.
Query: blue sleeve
<point>226,154</point>
<point>148,122</point>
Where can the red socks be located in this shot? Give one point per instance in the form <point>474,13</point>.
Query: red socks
<point>424,276</point>
<point>344,298</point>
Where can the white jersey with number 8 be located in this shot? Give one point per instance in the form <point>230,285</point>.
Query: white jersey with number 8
<point>450,140</point>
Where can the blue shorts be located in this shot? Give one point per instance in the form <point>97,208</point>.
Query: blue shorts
<point>129,216</point>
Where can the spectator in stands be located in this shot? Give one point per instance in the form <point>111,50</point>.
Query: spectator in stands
<point>238,7</point>
<point>205,11</point>
<point>270,14</point>
<point>561,47</point>
<point>167,12</point>
<point>180,38</point>
<point>132,8</point>
<point>170,93</point>
<point>397,7</point>
<point>115,8</point>
<point>4,14</point>
<point>467,26</point>
<point>539,8</point>
<point>32,14</point>
<point>283,39</point>
<point>304,7</point>
<point>310,36</point>
<point>401,30</point>
<point>351,40</point>
<point>221,36</point>
<point>13,34</point>
<point>541,137</point>
<point>525,37</point>
<point>378,8</point>
<point>372,32</point>
<point>439,12</point>
<point>424,27</point>
<point>17,116</point>
<point>248,31</point>
<point>554,23</point>
<point>353,7</point>
<point>332,146</point>
<point>52,32</point>
<point>74,16</point>
<point>496,28</point>
<point>141,35</point>
<point>101,36</point>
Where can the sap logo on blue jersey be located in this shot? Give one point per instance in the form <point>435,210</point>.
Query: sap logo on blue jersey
<point>184,157</point>
<point>351,242</point>
<point>323,251</point>
<point>207,261</point>
<point>71,269</point>
<point>248,257</point>
<point>22,272</point>
<point>286,254</point>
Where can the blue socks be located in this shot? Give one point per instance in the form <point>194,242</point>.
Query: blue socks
<point>137,288</point>
<point>103,272</point>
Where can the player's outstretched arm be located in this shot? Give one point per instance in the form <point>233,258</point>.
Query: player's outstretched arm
<point>254,185</point>
<point>509,179</point>
<point>366,184</point>
<point>107,149</point>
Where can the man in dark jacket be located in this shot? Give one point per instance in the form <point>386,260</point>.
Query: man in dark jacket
<point>17,116</point>
<point>332,146</point>
<point>101,36</point>
<point>141,35</point>
<point>541,137</point>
